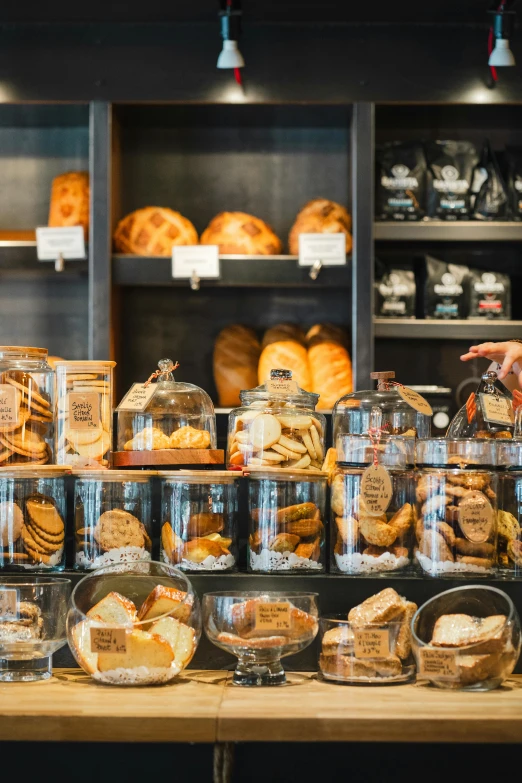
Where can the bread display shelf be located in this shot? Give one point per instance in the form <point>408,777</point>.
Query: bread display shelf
<point>204,706</point>
<point>417,328</point>
<point>162,457</point>
<point>18,259</point>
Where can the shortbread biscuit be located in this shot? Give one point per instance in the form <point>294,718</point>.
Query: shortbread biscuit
<point>49,543</point>
<point>380,608</point>
<point>30,392</point>
<point>44,515</point>
<point>23,416</point>
<point>31,544</point>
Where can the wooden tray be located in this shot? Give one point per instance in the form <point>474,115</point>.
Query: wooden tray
<point>164,457</point>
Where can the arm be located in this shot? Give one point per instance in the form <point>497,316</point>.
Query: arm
<point>508,354</point>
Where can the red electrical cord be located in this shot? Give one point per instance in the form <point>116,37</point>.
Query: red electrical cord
<point>491,44</point>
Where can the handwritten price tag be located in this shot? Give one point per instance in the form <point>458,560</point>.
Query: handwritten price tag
<point>8,603</point>
<point>9,405</point>
<point>84,410</point>
<point>497,410</point>
<point>138,397</point>
<point>441,664</point>
<point>108,640</point>
<point>476,517</point>
<point>273,617</point>
<point>376,490</point>
<point>371,643</point>
<point>416,400</point>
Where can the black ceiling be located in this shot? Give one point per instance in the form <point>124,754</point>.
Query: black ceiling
<point>377,11</point>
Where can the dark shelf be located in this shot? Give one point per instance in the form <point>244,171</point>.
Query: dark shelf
<point>411,329</point>
<point>18,261</point>
<point>236,271</point>
<point>444,231</point>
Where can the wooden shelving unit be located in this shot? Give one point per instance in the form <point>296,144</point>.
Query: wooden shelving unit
<point>446,231</point>
<point>417,329</point>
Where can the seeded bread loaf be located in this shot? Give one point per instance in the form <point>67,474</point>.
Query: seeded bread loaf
<point>242,234</point>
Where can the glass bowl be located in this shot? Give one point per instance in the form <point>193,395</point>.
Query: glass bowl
<point>32,625</point>
<point>467,638</point>
<point>134,624</point>
<point>259,629</point>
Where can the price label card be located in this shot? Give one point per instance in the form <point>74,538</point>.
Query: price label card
<point>108,640</point>
<point>376,490</point>
<point>200,260</point>
<point>439,664</point>
<point>9,405</point>
<point>497,410</point>
<point>281,382</point>
<point>416,400</point>
<point>371,643</point>
<point>330,249</point>
<point>273,617</point>
<point>84,410</point>
<point>138,397</point>
<point>8,604</point>
<point>476,517</point>
<point>68,242</point>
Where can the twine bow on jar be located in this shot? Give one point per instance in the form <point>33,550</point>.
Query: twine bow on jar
<point>166,367</point>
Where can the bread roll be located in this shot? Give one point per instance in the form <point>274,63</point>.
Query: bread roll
<point>153,231</point>
<point>286,355</point>
<point>70,200</point>
<point>242,234</point>
<point>320,216</point>
<point>282,332</point>
<point>330,365</point>
<point>236,356</point>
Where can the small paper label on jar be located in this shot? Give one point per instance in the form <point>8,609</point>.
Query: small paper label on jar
<point>138,397</point>
<point>9,405</point>
<point>416,400</point>
<point>476,517</point>
<point>273,617</point>
<point>108,640</point>
<point>8,604</point>
<point>376,490</point>
<point>497,410</point>
<point>84,410</point>
<point>281,386</point>
<point>371,643</point>
<point>440,664</point>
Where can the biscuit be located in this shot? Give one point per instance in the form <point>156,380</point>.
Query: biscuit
<point>11,521</point>
<point>32,545</point>
<point>478,562</point>
<point>83,437</point>
<point>97,449</point>
<point>402,520</point>
<point>305,528</point>
<point>284,542</point>
<point>198,549</point>
<point>377,531</point>
<point>338,640</point>
<point>380,608</point>
<point>38,557</point>
<point>23,416</point>
<point>15,557</point>
<point>403,644</point>
<point>172,544</point>
<point>348,528</point>
<point>514,552</point>
<point>48,543</point>
<point>118,528</point>
<point>30,393</point>
<point>434,546</point>
<point>508,527</point>
<point>465,547</point>
<point>261,643</point>
<point>308,551</point>
<point>44,515</point>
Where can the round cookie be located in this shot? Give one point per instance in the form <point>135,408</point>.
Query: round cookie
<point>45,543</point>
<point>27,391</point>
<point>118,528</point>
<point>44,515</point>
<point>11,521</point>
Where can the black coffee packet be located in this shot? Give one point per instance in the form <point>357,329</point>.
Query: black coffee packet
<point>514,164</point>
<point>490,295</point>
<point>445,290</point>
<point>394,292</point>
<point>451,165</point>
<point>401,181</point>
<point>490,194</point>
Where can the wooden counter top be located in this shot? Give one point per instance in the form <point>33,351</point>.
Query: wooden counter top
<point>203,706</point>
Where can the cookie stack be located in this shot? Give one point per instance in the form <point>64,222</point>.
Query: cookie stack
<point>27,439</point>
<point>43,530</point>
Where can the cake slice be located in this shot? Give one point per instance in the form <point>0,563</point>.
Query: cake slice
<point>180,637</point>
<point>166,600</point>
<point>380,608</point>
<point>143,649</point>
<point>461,630</point>
<point>114,609</point>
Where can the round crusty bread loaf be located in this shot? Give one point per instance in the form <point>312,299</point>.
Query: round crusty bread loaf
<point>236,356</point>
<point>70,200</point>
<point>286,355</point>
<point>153,231</point>
<point>330,365</point>
<point>282,332</point>
<point>320,216</point>
<point>242,234</point>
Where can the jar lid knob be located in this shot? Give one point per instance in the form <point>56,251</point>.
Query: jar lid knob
<point>166,365</point>
<point>382,376</point>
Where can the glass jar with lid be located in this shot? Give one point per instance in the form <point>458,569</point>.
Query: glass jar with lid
<point>456,525</point>
<point>509,517</point>
<point>390,406</point>
<point>286,520</point>
<point>26,406</point>
<point>369,540</point>
<point>488,412</point>
<point>83,435</point>
<point>199,519</point>
<point>277,427</point>
<point>112,517</point>
<point>166,414</point>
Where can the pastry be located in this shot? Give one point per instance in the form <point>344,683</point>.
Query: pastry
<point>118,528</point>
<point>28,626</point>
<point>330,365</point>
<point>286,355</point>
<point>153,231</point>
<point>508,527</point>
<point>180,637</point>
<point>148,439</point>
<point>143,649</point>
<point>403,643</point>
<point>261,643</point>
<point>198,549</point>
<point>381,608</point>
<point>113,609</point>
<point>189,438</point>
<point>204,523</point>
<point>70,200</point>
<point>236,357</point>
<point>320,216</point>
<point>461,630</point>
<point>284,542</point>
<point>376,530</point>
<point>166,600</point>
<point>241,234</point>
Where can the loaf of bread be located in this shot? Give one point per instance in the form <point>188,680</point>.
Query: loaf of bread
<point>320,216</point>
<point>242,234</point>
<point>286,355</point>
<point>70,200</point>
<point>236,356</point>
<point>330,365</point>
<point>153,231</point>
<point>283,332</point>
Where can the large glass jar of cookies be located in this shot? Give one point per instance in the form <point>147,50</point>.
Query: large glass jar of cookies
<point>199,519</point>
<point>286,520</point>
<point>26,406</point>
<point>456,508</point>
<point>391,406</point>
<point>509,517</point>
<point>32,517</point>
<point>372,505</point>
<point>84,413</point>
<point>165,414</point>
<point>112,517</point>
<point>277,427</point>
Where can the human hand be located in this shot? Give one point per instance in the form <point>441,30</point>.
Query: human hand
<point>509,354</point>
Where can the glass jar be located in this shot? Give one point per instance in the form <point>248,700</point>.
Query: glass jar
<point>364,543</point>
<point>168,415</point>
<point>509,517</point>
<point>487,413</point>
<point>286,520</point>
<point>456,527</point>
<point>355,413</point>
<point>32,517</point>
<point>199,525</point>
<point>26,406</point>
<point>112,517</point>
<point>276,429</point>
<point>84,413</point>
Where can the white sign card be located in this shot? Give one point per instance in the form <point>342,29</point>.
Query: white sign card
<point>330,249</point>
<point>138,397</point>
<point>68,242</point>
<point>199,260</point>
